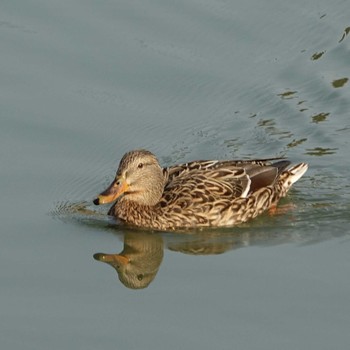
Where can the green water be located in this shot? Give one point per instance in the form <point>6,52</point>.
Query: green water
<point>82,82</point>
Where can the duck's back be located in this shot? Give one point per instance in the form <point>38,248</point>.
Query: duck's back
<point>206,193</point>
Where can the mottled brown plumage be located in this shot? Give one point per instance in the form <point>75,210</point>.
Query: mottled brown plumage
<point>196,194</point>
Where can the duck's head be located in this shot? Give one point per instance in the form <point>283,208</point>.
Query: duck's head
<point>139,178</point>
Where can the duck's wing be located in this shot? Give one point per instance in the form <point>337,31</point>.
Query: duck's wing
<point>199,165</point>
<point>230,179</point>
<point>230,183</point>
<point>262,175</point>
<point>205,189</point>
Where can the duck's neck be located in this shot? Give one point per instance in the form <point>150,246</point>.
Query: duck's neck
<point>133,212</point>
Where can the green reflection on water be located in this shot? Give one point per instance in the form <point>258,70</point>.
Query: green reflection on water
<point>317,55</point>
<point>296,143</point>
<point>287,95</point>
<point>338,83</point>
<point>346,32</point>
<point>320,117</point>
<point>319,151</point>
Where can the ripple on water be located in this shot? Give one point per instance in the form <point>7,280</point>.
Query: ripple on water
<point>81,213</point>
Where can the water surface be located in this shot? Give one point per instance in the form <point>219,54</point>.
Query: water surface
<point>82,82</point>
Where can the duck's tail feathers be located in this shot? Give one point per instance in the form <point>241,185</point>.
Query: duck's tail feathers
<point>296,172</point>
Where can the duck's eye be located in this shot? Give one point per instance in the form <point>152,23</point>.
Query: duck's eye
<point>140,165</point>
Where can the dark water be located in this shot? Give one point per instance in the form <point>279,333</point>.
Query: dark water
<point>82,82</point>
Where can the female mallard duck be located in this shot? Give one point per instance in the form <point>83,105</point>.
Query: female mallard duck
<point>196,194</point>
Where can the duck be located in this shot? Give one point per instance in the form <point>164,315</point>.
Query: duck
<point>197,194</point>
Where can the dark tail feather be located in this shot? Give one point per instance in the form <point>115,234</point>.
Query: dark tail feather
<point>266,176</point>
<point>281,165</point>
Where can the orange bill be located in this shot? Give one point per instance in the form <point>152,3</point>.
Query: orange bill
<point>113,192</point>
<point>112,259</point>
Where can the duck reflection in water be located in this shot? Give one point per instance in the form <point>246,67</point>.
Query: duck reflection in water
<point>138,263</point>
